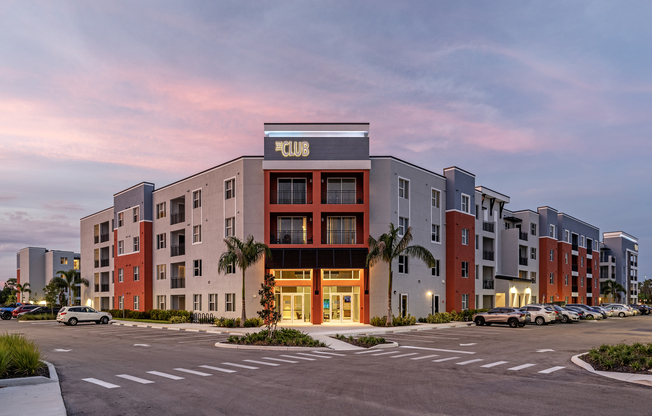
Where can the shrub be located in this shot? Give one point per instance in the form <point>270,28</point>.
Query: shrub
<point>37,317</point>
<point>253,322</point>
<point>19,357</point>
<point>633,358</point>
<point>285,336</point>
<point>396,320</point>
<point>366,342</point>
<point>230,323</point>
<point>439,318</point>
<point>153,314</point>
<point>178,320</point>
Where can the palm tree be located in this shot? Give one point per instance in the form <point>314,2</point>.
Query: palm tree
<point>61,284</point>
<point>242,254</point>
<point>610,287</point>
<point>20,288</point>
<point>71,279</point>
<point>387,248</point>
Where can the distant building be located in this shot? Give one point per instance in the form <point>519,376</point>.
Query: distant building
<point>37,266</point>
<point>619,262</point>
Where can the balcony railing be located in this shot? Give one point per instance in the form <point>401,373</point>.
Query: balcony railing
<point>589,270</point>
<point>289,197</point>
<point>179,250</point>
<point>97,288</point>
<point>487,284</point>
<point>97,239</point>
<point>574,246</point>
<point>291,237</point>
<point>177,218</point>
<point>589,251</point>
<point>105,287</point>
<point>574,288</point>
<point>104,238</point>
<point>177,282</point>
<point>343,237</point>
<point>575,267</point>
<point>489,226</point>
<point>522,236</point>
<point>342,197</point>
<point>487,255</point>
<point>97,264</point>
<point>104,263</point>
<point>522,261</point>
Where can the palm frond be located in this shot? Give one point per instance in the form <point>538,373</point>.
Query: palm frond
<point>421,253</point>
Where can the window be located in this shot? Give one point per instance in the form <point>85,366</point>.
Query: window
<point>136,273</point>
<point>229,189</point>
<point>465,269</point>
<point>229,227</point>
<point>552,278</point>
<point>435,233</point>
<point>567,236</point>
<point>112,276</point>
<point>582,261</point>
<point>465,203</point>
<point>136,303</point>
<point>551,232</point>
<point>552,255</point>
<point>403,188</point>
<point>403,264</point>
<point>121,219</point>
<point>212,302</point>
<point>160,301</point>
<point>465,302</point>
<point>230,269</point>
<point>435,198</point>
<point>435,270</point>
<point>121,247</point>
<point>477,271</point>
<point>293,191</point>
<point>566,280</point>
<point>533,253</point>
<point>197,268</point>
<point>581,241</point>
<point>229,305</point>
<point>160,210</point>
<point>533,229</point>
<point>566,257</point>
<point>403,224</point>
<point>160,241</point>
<point>196,234</point>
<point>196,199</point>
<point>196,301</point>
<point>582,281</point>
<point>477,212</point>
<point>64,260</point>
<point>121,302</point>
<point>465,237</point>
<point>533,276</point>
<point>136,214</point>
<point>136,244</point>
<point>121,275</point>
<point>477,241</point>
<point>160,272</point>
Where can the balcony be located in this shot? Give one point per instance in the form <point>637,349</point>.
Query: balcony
<point>97,288</point>
<point>589,270</point>
<point>342,197</point>
<point>487,255</point>
<point>574,246</point>
<point>105,287</point>
<point>488,284</point>
<point>344,237</point>
<point>522,236</point>
<point>177,218</point>
<point>97,264</point>
<point>104,263</point>
<point>289,198</point>
<point>522,261</point>
<point>177,283</point>
<point>574,289</point>
<point>290,237</point>
<point>97,239</point>
<point>178,250</point>
<point>488,226</point>
<point>575,268</point>
<point>104,238</point>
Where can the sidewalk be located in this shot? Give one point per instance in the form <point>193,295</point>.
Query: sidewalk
<point>32,395</point>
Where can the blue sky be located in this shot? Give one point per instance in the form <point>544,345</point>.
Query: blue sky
<point>547,102</point>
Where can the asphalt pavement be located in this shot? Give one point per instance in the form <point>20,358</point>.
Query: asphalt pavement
<point>497,370</point>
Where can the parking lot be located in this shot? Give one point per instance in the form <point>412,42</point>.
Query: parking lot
<point>458,371</point>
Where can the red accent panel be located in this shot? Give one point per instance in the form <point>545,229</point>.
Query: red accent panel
<point>143,259</point>
<point>18,276</point>
<point>456,253</point>
<point>564,270</point>
<point>546,266</point>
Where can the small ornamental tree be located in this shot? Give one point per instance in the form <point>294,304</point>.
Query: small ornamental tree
<point>52,291</point>
<point>269,314</point>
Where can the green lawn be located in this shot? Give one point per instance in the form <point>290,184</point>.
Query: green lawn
<point>149,321</point>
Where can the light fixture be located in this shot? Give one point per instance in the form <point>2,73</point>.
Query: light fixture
<point>513,289</point>
<point>429,293</point>
<point>528,291</point>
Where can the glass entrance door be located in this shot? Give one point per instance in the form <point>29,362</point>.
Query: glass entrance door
<point>336,306</point>
<point>293,308</point>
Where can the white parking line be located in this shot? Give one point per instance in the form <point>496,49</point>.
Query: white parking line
<point>437,349</point>
<point>417,336</point>
<point>298,358</point>
<point>404,355</point>
<point>494,364</point>
<point>312,355</point>
<point>384,353</point>
<point>329,353</point>
<point>262,362</point>
<point>136,379</point>
<point>101,383</point>
<point>170,376</point>
<point>202,340</point>
<point>280,360</point>
<point>470,361</point>
<point>366,352</point>
<point>424,357</point>
<point>444,359</point>
<point>224,370</point>
<point>248,367</point>
<point>520,367</point>
<point>551,370</point>
<point>197,373</point>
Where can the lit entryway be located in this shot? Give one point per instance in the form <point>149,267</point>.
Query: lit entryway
<point>341,304</point>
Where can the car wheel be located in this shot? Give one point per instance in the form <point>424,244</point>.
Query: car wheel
<point>589,317</point>
<point>622,314</point>
<point>72,321</point>
<point>6,316</point>
<point>479,321</point>
<point>565,319</point>
<point>513,323</point>
<point>105,320</point>
<point>540,320</point>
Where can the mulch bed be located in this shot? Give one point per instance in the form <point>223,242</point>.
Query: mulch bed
<point>43,371</point>
<point>617,368</point>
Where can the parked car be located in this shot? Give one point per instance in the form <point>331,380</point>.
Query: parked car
<point>567,316</point>
<point>5,311</point>
<point>642,309</point>
<point>620,310</point>
<point>71,315</point>
<point>599,310</point>
<point>607,312</point>
<point>24,308</point>
<point>591,313</point>
<point>541,314</point>
<point>509,316</point>
<point>40,310</point>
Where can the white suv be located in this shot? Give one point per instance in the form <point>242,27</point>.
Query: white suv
<point>70,315</point>
<point>540,315</point>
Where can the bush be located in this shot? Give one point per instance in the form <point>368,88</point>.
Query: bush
<point>635,358</point>
<point>438,318</point>
<point>396,320</point>
<point>229,323</point>
<point>253,322</point>
<point>153,314</point>
<point>37,317</point>
<point>284,337</point>
<point>19,357</point>
<point>365,342</point>
<point>178,320</point>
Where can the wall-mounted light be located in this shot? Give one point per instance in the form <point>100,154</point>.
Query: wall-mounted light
<point>429,293</point>
<point>513,289</point>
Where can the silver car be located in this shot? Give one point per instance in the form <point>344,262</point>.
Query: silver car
<point>71,315</point>
<point>510,316</point>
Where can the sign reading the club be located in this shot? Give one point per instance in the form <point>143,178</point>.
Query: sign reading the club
<point>296,149</point>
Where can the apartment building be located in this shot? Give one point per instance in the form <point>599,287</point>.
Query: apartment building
<point>37,266</point>
<point>619,262</point>
<point>96,238</point>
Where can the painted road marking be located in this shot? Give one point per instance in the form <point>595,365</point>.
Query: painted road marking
<point>101,383</point>
<point>280,360</point>
<point>470,361</point>
<point>298,358</point>
<point>404,355</point>
<point>546,350</point>
<point>494,364</point>
<point>62,350</point>
<point>248,367</point>
<point>444,359</point>
<point>366,352</point>
<point>170,376</point>
<point>136,379</point>
<point>468,345</point>
<point>437,349</point>
<point>329,353</point>
<point>551,370</point>
<point>520,367</point>
<point>262,362</point>
<point>385,353</point>
<point>410,336</point>
<point>312,355</point>
<point>197,373</point>
<point>141,345</point>
<point>224,370</point>
<point>201,340</point>
<point>424,357</point>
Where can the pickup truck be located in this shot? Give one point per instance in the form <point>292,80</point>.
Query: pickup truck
<point>5,311</point>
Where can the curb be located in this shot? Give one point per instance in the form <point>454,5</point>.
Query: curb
<point>643,379</point>
<point>265,347</point>
<point>390,344</point>
<point>119,323</point>
<point>32,381</point>
<point>41,395</point>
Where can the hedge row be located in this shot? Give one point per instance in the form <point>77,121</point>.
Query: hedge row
<point>155,314</point>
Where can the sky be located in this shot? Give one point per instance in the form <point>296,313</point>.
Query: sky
<point>547,102</point>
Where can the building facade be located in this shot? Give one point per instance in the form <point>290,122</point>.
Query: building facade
<point>37,266</point>
<point>619,262</point>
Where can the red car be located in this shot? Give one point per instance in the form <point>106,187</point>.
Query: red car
<point>24,308</point>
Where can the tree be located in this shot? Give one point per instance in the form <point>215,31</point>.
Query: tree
<point>23,288</point>
<point>269,314</point>
<point>610,287</point>
<point>11,283</point>
<point>645,289</point>
<point>242,254</point>
<point>71,279</point>
<point>388,247</point>
<point>53,292</point>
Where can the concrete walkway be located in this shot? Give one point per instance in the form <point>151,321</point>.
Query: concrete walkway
<point>32,396</point>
